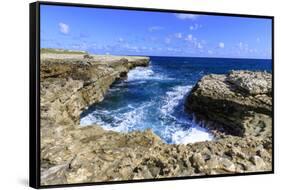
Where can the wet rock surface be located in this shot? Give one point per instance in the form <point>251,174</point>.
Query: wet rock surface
<point>74,154</point>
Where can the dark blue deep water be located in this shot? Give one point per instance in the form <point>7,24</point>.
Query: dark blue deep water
<point>153,97</point>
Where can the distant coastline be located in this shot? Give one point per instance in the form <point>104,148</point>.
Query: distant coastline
<point>76,51</point>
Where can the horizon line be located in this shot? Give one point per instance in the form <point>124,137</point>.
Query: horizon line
<point>157,55</point>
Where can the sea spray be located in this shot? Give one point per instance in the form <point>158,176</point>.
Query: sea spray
<point>153,97</point>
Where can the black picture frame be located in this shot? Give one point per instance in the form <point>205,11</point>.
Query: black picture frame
<point>34,92</point>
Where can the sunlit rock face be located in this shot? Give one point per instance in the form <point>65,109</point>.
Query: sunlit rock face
<point>74,154</point>
<point>241,101</point>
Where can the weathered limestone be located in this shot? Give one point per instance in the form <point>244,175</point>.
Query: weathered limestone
<point>241,101</point>
<point>74,154</point>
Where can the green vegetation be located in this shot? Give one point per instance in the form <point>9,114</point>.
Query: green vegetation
<point>61,51</point>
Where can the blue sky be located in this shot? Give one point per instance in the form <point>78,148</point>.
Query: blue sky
<point>128,32</point>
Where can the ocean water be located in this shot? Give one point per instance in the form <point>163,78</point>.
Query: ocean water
<point>153,97</point>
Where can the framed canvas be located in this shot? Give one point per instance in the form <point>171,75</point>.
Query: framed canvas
<point>121,94</point>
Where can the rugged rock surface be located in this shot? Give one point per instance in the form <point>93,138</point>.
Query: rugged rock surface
<point>237,107</point>
<point>91,154</point>
<point>70,83</point>
<point>74,154</point>
<point>252,82</point>
<point>241,101</point>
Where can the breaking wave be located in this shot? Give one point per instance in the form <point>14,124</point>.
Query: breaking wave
<point>145,73</point>
<point>173,98</point>
<point>149,98</point>
<point>195,133</point>
<point>120,120</point>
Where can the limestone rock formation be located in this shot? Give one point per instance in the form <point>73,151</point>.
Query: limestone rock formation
<point>70,83</point>
<point>241,101</point>
<point>237,108</point>
<point>252,82</point>
<point>74,154</point>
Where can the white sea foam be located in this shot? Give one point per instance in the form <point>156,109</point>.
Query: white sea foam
<point>171,126</point>
<point>175,130</point>
<point>91,119</point>
<point>122,121</point>
<point>127,120</point>
<point>173,98</point>
<point>114,89</point>
<point>144,73</point>
<point>193,134</point>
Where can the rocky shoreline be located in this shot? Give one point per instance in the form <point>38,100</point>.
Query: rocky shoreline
<point>240,102</point>
<point>74,154</point>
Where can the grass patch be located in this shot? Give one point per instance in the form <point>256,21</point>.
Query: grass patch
<point>61,51</point>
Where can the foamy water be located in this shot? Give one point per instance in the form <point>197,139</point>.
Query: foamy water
<point>145,73</point>
<point>173,98</point>
<point>153,97</point>
<point>149,98</point>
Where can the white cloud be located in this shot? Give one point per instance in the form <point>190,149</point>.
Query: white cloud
<point>258,40</point>
<point>120,40</point>
<point>197,43</point>
<point>183,16</point>
<point>221,45</point>
<point>210,52</point>
<point>130,47</point>
<point>195,27</point>
<point>243,46</point>
<point>178,35</point>
<point>189,37</point>
<point>134,48</point>
<point>155,28</point>
<point>240,45</point>
<point>80,46</point>
<point>167,40</point>
<point>174,50</point>
<point>64,28</point>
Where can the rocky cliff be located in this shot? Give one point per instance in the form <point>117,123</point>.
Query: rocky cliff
<point>74,154</point>
<point>71,82</point>
<point>240,101</point>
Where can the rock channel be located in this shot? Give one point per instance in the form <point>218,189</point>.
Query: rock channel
<point>74,154</point>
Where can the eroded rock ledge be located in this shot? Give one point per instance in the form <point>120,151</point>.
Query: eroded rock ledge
<point>70,82</point>
<point>241,101</point>
<point>74,154</point>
